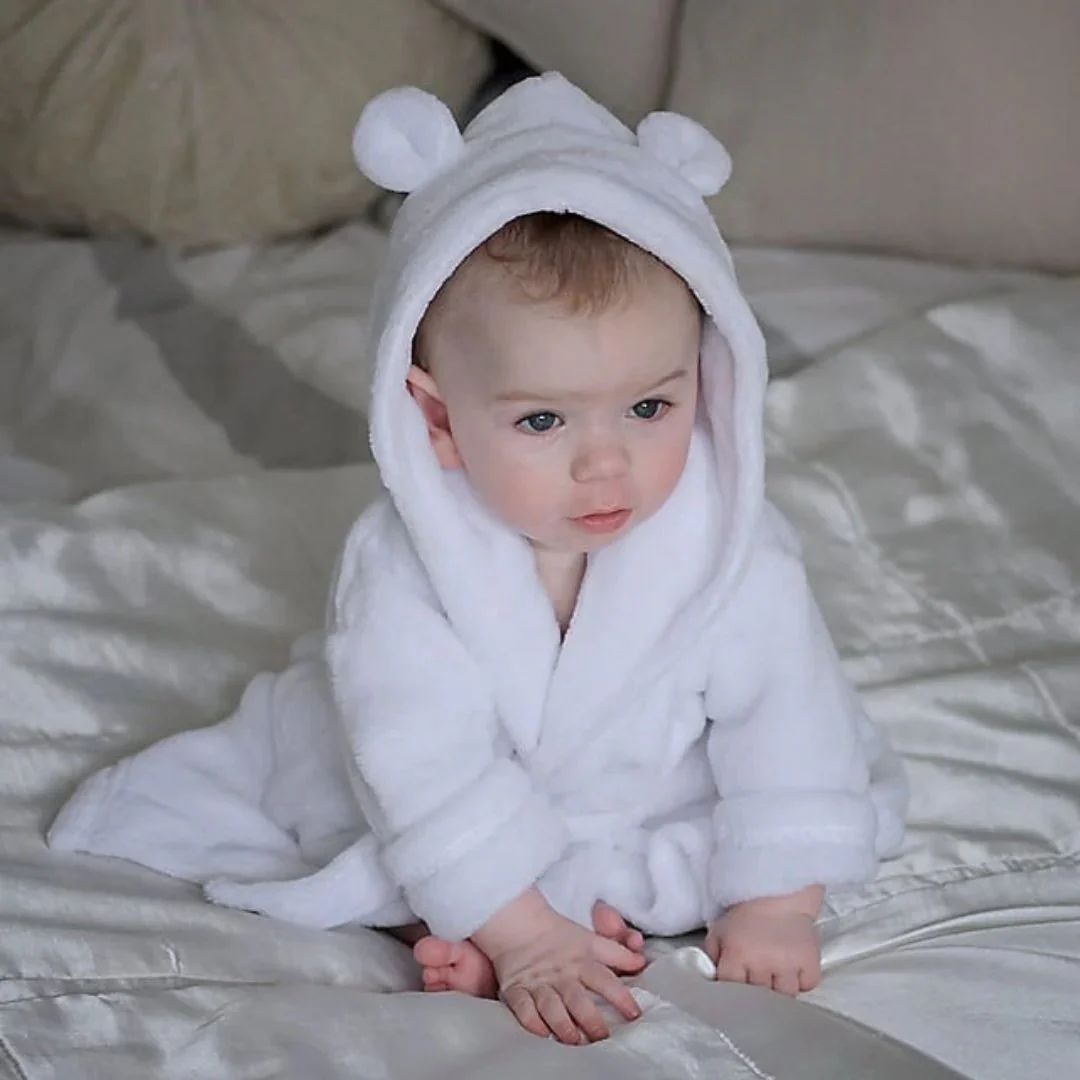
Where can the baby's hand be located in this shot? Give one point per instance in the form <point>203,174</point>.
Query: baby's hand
<point>548,967</point>
<point>771,942</point>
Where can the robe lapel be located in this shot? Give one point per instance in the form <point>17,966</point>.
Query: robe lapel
<point>497,603</point>
<point>642,602</point>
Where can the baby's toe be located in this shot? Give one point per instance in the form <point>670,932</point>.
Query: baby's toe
<point>434,952</point>
<point>436,979</point>
<point>607,922</point>
<point>473,974</point>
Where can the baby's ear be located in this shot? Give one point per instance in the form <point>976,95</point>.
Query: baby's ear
<point>425,392</point>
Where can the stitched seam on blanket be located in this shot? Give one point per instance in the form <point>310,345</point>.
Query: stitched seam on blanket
<point>908,315</point>
<point>990,622</point>
<point>1050,703</point>
<point>890,568</point>
<point>83,986</point>
<point>744,1058</point>
<point>7,1061</point>
<point>862,534</point>
<point>1048,864</point>
<point>1010,864</point>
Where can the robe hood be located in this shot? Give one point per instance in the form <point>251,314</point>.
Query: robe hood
<point>544,145</point>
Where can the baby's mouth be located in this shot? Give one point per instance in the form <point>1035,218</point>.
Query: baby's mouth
<point>608,521</point>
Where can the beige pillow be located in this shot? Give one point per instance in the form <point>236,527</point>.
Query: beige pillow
<point>619,51</point>
<point>937,129</point>
<point>197,123</point>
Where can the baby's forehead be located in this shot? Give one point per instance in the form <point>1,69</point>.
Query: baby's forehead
<point>477,284</point>
<point>480,294</point>
<point>489,336</point>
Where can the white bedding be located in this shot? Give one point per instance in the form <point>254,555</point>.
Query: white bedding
<point>178,462</point>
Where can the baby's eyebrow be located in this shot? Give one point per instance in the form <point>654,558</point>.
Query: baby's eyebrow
<point>678,373</point>
<point>570,395</point>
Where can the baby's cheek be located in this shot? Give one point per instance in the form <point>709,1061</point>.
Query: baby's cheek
<point>519,495</point>
<point>666,468</point>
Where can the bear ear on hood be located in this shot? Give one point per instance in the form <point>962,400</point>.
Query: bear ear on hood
<point>404,138</point>
<point>685,146</point>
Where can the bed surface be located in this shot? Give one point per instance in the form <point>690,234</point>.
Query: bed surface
<point>180,455</point>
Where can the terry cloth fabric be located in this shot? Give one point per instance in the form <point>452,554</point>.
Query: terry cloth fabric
<point>689,744</point>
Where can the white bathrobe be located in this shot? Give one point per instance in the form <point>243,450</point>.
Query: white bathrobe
<point>690,743</point>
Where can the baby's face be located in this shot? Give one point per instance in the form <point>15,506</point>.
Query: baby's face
<point>572,428</point>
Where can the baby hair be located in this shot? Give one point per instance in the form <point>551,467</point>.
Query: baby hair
<point>553,257</point>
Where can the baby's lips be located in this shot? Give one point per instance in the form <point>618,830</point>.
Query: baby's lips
<point>603,522</point>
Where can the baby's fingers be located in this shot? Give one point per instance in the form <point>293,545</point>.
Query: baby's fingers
<point>553,1010</point>
<point>731,969</point>
<point>583,1009</point>
<point>617,957</point>
<point>786,982</point>
<point>520,1002</point>
<point>810,974</point>
<point>603,981</point>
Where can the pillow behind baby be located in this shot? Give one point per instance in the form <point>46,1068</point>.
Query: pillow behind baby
<point>617,51</point>
<point>945,131</point>
<point>200,124</point>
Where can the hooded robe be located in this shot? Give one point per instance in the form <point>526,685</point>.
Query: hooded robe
<point>691,742</point>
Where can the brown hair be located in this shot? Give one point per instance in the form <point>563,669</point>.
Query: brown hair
<point>569,258</point>
<point>554,256</point>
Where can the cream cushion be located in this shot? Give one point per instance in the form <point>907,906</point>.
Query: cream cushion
<point>619,51</point>
<point>933,129</point>
<point>201,124</point>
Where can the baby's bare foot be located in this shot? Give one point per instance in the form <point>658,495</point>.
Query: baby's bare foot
<point>455,965</point>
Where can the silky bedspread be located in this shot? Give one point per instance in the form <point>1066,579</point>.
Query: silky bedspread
<point>179,459</point>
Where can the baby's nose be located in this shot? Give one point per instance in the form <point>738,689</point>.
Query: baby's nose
<point>602,458</point>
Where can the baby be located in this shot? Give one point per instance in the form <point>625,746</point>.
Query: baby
<point>573,688</point>
<point>558,369</point>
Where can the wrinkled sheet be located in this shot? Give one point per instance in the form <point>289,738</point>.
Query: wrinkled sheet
<point>180,455</point>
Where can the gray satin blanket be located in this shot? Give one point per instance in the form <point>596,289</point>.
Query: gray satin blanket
<point>180,453</point>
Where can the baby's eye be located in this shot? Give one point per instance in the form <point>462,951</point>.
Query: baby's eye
<point>539,423</point>
<point>650,409</point>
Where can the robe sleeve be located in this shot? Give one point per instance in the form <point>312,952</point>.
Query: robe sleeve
<point>461,828</point>
<point>784,746</point>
